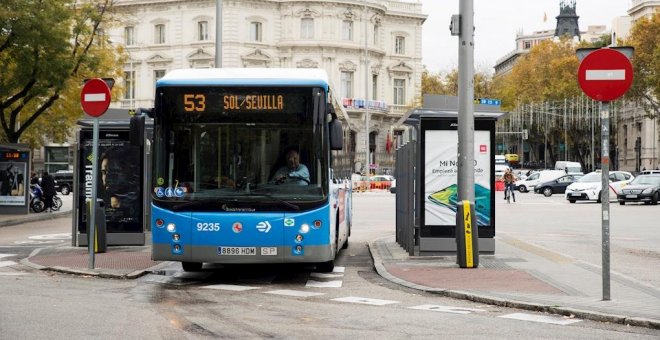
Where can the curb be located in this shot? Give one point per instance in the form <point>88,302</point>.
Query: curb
<point>91,272</point>
<point>456,294</point>
<point>34,217</point>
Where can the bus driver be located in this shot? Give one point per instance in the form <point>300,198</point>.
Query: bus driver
<point>293,172</point>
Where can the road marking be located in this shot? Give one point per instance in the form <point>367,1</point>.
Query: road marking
<point>325,275</point>
<point>6,255</point>
<point>7,263</point>
<point>447,309</point>
<point>296,293</point>
<point>62,236</point>
<point>540,318</point>
<point>323,284</point>
<point>338,269</point>
<point>234,288</point>
<point>365,301</point>
<point>12,273</point>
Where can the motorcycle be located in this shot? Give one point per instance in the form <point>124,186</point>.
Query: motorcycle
<point>37,203</point>
<point>37,200</point>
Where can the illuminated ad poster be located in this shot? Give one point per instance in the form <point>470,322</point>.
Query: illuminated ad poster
<point>119,181</point>
<point>12,183</point>
<point>440,177</point>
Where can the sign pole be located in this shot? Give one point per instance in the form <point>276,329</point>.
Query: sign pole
<point>91,223</point>
<point>605,196</point>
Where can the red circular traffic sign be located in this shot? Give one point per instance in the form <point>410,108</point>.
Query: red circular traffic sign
<point>605,74</point>
<point>95,97</point>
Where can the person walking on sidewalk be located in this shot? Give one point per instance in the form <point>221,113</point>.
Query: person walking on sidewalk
<point>48,187</point>
<point>509,179</point>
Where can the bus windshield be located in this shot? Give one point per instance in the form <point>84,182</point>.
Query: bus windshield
<point>219,146</point>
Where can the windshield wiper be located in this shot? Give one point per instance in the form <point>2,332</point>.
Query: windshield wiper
<point>197,203</point>
<point>279,200</point>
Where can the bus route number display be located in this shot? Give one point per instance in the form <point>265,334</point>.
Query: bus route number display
<point>195,102</point>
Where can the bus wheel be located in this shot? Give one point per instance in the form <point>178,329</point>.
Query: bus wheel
<point>326,267</point>
<point>191,266</point>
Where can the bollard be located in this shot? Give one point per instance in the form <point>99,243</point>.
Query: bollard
<point>467,236</point>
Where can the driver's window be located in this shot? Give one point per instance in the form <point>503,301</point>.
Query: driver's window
<point>534,176</point>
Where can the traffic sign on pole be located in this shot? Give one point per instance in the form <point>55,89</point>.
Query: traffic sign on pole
<point>95,97</point>
<point>605,74</point>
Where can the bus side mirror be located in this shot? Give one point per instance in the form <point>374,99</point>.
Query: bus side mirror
<point>137,130</point>
<point>336,135</point>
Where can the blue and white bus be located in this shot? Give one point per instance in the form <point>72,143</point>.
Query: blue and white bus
<point>220,136</point>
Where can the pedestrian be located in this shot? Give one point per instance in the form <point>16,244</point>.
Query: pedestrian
<point>34,179</point>
<point>48,188</point>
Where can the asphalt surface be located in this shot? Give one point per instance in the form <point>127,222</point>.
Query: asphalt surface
<point>520,275</point>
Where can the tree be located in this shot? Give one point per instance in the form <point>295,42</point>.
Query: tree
<point>47,49</point>
<point>645,38</point>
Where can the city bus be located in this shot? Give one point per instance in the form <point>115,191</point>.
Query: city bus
<point>220,137</point>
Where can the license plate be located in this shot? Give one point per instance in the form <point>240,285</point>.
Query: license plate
<point>268,251</point>
<point>237,250</point>
<point>631,196</point>
<point>576,194</point>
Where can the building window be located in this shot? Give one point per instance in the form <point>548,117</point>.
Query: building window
<point>527,45</point>
<point>159,34</point>
<point>129,35</point>
<point>346,84</point>
<point>375,35</point>
<point>57,158</point>
<point>307,28</point>
<point>399,91</point>
<point>400,45</point>
<point>203,30</point>
<point>347,30</point>
<point>129,85</point>
<point>374,87</point>
<point>255,31</point>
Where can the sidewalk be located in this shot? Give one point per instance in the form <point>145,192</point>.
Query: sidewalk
<point>520,275</point>
<point>523,275</point>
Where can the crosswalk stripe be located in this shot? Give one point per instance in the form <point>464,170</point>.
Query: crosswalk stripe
<point>447,309</point>
<point>12,273</point>
<point>339,269</point>
<point>7,263</point>
<point>6,255</point>
<point>296,293</point>
<point>325,275</point>
<point>540,318</point>
<point>323,284</point>
<point>234,288</point>
<point>365,301</point>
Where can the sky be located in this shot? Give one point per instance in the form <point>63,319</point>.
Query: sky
<point>496,23</point>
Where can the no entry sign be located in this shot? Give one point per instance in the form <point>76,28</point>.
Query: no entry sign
<point>95,97</point>
<point>605,74</point>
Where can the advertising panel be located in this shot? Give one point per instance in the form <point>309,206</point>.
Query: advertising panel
<point>12,183</point>
<point>119,181</point>
<point>440,177</point>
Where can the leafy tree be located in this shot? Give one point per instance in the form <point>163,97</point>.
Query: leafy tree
<point>47,49</point>
<point>645,38</point>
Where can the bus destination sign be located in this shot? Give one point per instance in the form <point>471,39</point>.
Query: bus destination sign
<point>197,102</point>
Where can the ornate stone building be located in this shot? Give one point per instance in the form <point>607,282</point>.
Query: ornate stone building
<point>333,35</point>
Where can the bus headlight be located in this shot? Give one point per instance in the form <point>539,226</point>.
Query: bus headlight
<point>304,228</point>
<point>171,227</point>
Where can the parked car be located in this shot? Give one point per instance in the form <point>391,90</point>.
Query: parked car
<point>527,184</point>
<point>588,188</point>
<point>63,181</point>
<point>556,186</point>
<point>644,188</point>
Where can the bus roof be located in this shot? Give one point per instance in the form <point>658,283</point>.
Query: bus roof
<point>245,77</point>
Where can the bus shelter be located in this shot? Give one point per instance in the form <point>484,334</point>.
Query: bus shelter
<point>122,182</point>
<point>427,170</point>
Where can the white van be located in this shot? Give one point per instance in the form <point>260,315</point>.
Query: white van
<point>528,184</point>
<point>570,168</point>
